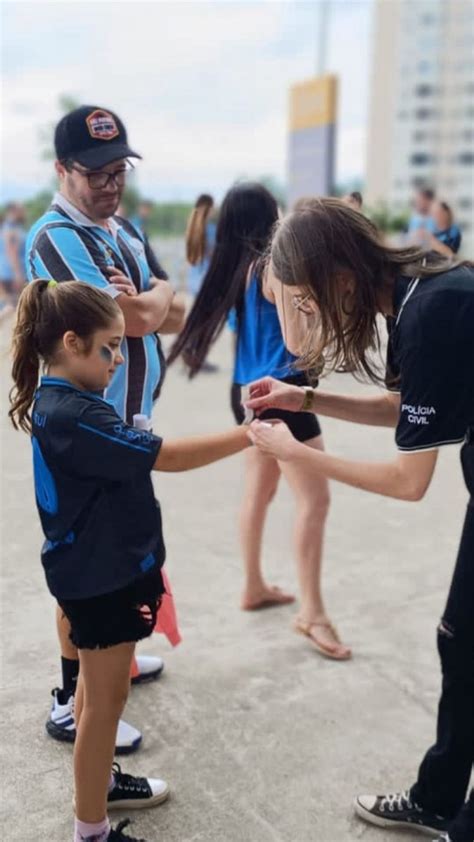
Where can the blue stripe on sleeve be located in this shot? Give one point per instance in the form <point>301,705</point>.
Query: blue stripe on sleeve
<point>113,438</point>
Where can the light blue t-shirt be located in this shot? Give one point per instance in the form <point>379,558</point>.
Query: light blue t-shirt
<point>261,351</point>
<point>418,220</point>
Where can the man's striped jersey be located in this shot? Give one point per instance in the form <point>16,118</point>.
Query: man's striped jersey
<point>65,245</point>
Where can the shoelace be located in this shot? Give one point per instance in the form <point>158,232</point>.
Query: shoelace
<point>129,782</point>
<point>123,824</point>
<point>399,801</point>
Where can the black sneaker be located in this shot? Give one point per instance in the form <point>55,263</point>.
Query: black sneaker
<point>398,810</point>
<point>132,793</point>
<point>116,834</point>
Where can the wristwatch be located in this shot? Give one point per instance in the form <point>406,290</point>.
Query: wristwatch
<point>307,405</point>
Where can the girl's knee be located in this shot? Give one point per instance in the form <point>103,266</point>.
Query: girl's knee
<point>318,506</point>
<point>107,698</point>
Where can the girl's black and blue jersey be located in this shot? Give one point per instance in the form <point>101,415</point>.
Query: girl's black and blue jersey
<point>94,493</point>
<point>260,348</point>
<point>431,352</point>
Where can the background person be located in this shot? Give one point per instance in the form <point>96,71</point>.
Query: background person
<point>80,238</point>
<point>200,241</point>
<point>354,200</point>
<point>13,235</point>
<point>104,547</point>
<point>234,283</point>
<point>347,287</point>
<point>447,236</point>
<point>421,223</point>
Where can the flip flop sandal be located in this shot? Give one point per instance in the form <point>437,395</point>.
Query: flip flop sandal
<point>306,629</point>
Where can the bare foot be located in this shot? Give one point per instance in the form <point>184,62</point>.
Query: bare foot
<point>324,638</point>
<point>267,597</point>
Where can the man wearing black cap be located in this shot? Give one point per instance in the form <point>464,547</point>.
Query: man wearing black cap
<point>79,238</point>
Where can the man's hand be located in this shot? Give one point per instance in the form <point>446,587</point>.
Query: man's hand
<point>120,281</point>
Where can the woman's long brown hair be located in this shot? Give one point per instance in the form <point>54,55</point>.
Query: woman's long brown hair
<point>196,229</point>
<point>46,311</point>
<point>324,239</point>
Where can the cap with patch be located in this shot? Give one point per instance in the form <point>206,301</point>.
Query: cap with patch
<point>92,136</point>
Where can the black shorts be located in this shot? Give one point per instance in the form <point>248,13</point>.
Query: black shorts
<point>303,425</point>
<point>122,616</point>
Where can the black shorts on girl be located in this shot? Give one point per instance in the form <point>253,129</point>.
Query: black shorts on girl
<point>124,616</point>
<point>303,425</point>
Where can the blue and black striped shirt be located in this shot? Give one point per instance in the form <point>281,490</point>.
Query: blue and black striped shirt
<point>65,245</point>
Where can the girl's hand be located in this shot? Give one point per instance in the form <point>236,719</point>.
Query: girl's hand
<point>269,393</point>
<point>274,440</point>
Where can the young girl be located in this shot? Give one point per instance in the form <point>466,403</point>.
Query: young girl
<point>234,284</point>
<point>104,548</point>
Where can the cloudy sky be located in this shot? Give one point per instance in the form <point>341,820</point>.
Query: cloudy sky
<point>202,86</point>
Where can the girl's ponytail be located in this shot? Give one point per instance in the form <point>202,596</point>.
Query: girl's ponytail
<point>46,311</point>
<point>26,359</point>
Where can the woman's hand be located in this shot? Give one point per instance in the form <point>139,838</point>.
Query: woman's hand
<point>274,440</point>
<point>269,393</point>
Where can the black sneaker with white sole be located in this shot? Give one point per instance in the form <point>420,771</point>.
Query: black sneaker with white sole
<point>132,793</point>
<point>398,810</point>
<point>116,834</point>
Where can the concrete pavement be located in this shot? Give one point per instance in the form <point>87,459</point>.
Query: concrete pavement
<point>260,738</point>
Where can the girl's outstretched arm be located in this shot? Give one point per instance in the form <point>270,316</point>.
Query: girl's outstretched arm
<point>189,453</point>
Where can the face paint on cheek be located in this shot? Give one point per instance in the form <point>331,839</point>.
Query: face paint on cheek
<point>106,354</point>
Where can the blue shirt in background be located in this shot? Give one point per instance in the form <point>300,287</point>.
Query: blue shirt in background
<point>261,351</point>
<point>450,237</point>
<point>418,220</point>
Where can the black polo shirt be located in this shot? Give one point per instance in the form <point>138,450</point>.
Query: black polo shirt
<point>431,351</point>
<point>94,493</point>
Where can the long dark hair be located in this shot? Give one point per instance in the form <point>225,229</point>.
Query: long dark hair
<point>196,229</point>
<point>46,311</point>
<point>246,220</point>
<point>311,247</point>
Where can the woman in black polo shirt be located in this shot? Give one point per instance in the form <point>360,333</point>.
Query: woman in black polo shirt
<point>335,266</point>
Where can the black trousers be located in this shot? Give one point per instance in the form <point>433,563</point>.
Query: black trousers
<point>444,774</point>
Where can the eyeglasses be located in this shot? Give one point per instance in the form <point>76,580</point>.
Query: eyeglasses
<point>98,179</point>
<point>305,304</point>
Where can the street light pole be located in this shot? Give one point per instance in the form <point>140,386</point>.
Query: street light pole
<point>322,37</point>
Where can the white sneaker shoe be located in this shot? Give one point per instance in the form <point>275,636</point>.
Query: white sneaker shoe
<point>61,726</point>
<point>150,667</point>
<point>132,793</point>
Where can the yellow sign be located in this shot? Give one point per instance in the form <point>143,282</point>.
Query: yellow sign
<point>313,103</point>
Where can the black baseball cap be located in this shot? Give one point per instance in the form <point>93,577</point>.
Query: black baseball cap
<point>92,136</point>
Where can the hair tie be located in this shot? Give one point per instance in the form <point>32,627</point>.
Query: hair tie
<point>52,283</point>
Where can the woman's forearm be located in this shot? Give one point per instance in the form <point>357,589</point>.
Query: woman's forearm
<point>406,478</point>
<point>379,411</point>
<point>186,454</point>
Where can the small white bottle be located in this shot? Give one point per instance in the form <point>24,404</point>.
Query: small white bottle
<point>142,422</point>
